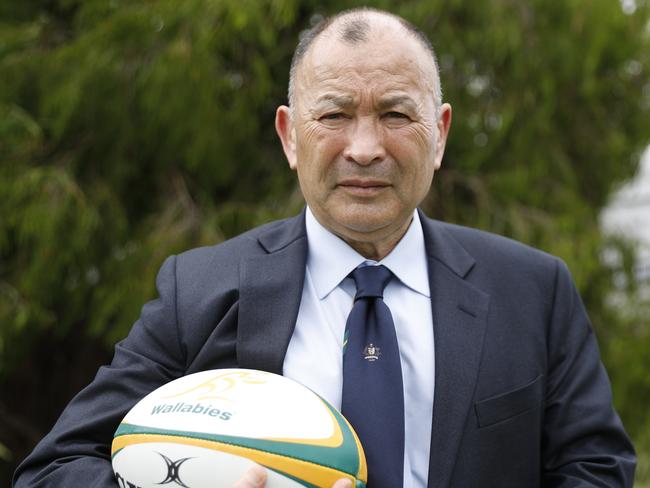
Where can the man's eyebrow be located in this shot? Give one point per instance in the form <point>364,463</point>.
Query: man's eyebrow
<point>390,102</point>
<point>341,101</point>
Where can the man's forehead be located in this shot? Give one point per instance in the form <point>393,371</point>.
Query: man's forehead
<point>383,56</point>
<point>383,101</point>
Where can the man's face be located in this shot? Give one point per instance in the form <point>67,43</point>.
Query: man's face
<point>364,137</point>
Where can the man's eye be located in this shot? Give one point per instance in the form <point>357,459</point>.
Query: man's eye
<point>396,115</point>
<point>333,116</point>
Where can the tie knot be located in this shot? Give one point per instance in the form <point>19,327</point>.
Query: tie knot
<point>371,281</point>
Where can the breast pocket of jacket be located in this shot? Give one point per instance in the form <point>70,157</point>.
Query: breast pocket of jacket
<point>510,404</point>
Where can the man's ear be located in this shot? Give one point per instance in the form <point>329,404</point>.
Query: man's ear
<point>287,133</point>
<point>443,124</point>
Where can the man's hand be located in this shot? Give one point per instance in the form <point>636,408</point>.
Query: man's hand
<point>255,477</point>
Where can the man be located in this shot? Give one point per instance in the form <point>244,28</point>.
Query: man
<point>502,382</point>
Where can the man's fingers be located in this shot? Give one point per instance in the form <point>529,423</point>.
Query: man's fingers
<point>255,477</point>
<point>343,484</point>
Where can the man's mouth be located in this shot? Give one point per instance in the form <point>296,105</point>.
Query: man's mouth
<point>363,187</point>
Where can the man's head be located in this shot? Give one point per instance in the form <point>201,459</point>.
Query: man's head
<point>366,128</point>
<point>355,28</point>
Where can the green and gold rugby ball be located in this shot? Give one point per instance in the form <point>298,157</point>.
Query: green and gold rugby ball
<point>205,429</point>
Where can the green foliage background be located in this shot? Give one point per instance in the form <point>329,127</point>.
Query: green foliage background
<point>132,129</point>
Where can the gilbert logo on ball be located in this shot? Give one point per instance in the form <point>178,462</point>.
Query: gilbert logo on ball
<point>205,429</point>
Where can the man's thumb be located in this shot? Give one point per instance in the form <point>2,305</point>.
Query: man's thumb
<point>255,477</point>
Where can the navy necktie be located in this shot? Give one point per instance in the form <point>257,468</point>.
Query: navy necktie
<point>373,396</point>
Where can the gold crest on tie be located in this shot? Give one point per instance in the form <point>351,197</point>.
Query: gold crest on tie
<point>371,352</point>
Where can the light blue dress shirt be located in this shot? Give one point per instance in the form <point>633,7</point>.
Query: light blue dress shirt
<point>314,357</point>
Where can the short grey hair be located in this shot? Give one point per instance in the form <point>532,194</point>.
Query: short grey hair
<point>354,30</point>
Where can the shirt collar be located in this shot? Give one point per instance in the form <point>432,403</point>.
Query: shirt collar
<point>331,259</point>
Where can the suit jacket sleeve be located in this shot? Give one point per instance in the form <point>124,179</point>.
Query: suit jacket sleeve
<point>583,440</point>
<point>77,450</point>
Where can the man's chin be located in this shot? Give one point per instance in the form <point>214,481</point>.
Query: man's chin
<point>368,227</point>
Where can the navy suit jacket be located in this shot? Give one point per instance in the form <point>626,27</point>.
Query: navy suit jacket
<point>521,397</point>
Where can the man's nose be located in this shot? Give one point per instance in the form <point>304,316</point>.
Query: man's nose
<point>365,143</point>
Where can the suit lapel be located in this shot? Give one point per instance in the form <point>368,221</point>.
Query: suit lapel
<point>459,316</point>
<point>270,292</point>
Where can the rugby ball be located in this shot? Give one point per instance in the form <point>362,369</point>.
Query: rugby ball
<point>206,429</point>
